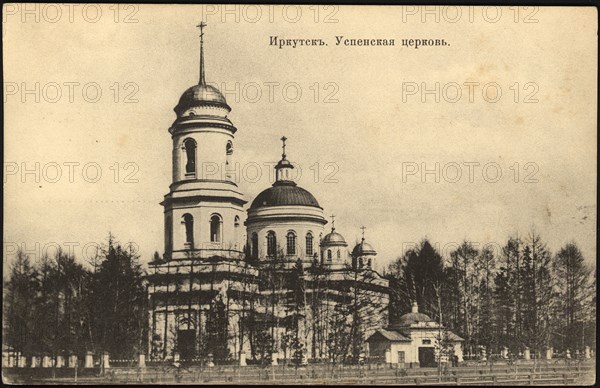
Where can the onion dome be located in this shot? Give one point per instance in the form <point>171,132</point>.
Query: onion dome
<point>333,238</point>
<point>363,249</point>
<point>199,95</point>
<point>284,191</point>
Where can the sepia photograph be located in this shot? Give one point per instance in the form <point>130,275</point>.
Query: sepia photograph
<point>272,194</point>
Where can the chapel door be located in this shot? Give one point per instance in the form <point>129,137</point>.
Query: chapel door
<point>426,357</point>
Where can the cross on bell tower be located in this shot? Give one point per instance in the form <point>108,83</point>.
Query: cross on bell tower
<point>201,26</point>
<point>332,223</point>
<point>363,232</point>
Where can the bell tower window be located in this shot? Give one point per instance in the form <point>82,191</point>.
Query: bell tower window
<point>168,233</point>
<point>189,145</point>
<point>329,255</point>
<point>215,228</point>
<point>188,222</point>
<point>254,248</point>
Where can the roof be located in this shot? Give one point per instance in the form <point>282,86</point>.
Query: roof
<point>284,193</point>
<point>363,249</point>
<point>200,95</point>
<point>454,337</point>
<point>333,239</point>
<point>391,335</point>
<point>411,318</point>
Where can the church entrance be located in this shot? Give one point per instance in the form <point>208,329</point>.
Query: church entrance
<point>186,344</point>
<point>426,358</point>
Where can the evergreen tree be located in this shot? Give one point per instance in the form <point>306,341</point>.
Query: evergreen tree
<point>19,296</point>
<point>119,306</point>
<point>576,293</point>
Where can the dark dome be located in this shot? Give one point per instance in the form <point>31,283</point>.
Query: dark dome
<point>411,318</point>
<point>362,249</point>
<point>200,95</point>
<point>284,193</point>
<point>334,238</point>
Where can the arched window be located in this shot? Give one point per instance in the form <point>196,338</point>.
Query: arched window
<point>369,262</point>
<point>309,244</point>
<point>254,247</point>
<point>329,255</point>
<point>229,148</point>
<point>291,243</point>
<point>236,222</point>
<point>215,228</point>
<point>271,243</point>
<point>188,221</point>
<point>168,233</point>
<point>339,255</point>
<point>189,145</point>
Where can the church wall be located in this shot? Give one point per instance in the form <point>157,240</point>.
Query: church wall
<point>337,262</point>
<point>282,226</point>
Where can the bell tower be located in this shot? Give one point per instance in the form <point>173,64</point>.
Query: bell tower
<point>204,208</point>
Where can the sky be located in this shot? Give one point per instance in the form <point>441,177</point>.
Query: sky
<point>489,135</point>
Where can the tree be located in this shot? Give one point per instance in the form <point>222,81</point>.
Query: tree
<point>464,265</point>
<point>538,294</point>
<point>217,324</point>
<point>19,296</point>
<point>120,302</point>
<point>412,279</point>
<point>487,317</point>
<point>339,338</point>
<point>508,295</point>
<point>573,281</point>
<point>471,283</point>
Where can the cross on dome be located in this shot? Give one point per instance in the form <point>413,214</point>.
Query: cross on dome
<point>283,139</point>
<point>201,26</point>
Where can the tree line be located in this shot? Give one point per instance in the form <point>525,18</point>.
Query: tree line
<point>55,305</point>
<point>520,297</point>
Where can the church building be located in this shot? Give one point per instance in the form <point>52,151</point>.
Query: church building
<point>264,283</point>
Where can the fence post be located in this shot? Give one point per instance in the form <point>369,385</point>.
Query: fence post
<point>73,361</point>
<point>105,360</point>
<point>89,360</point>
<point>141,360</point>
